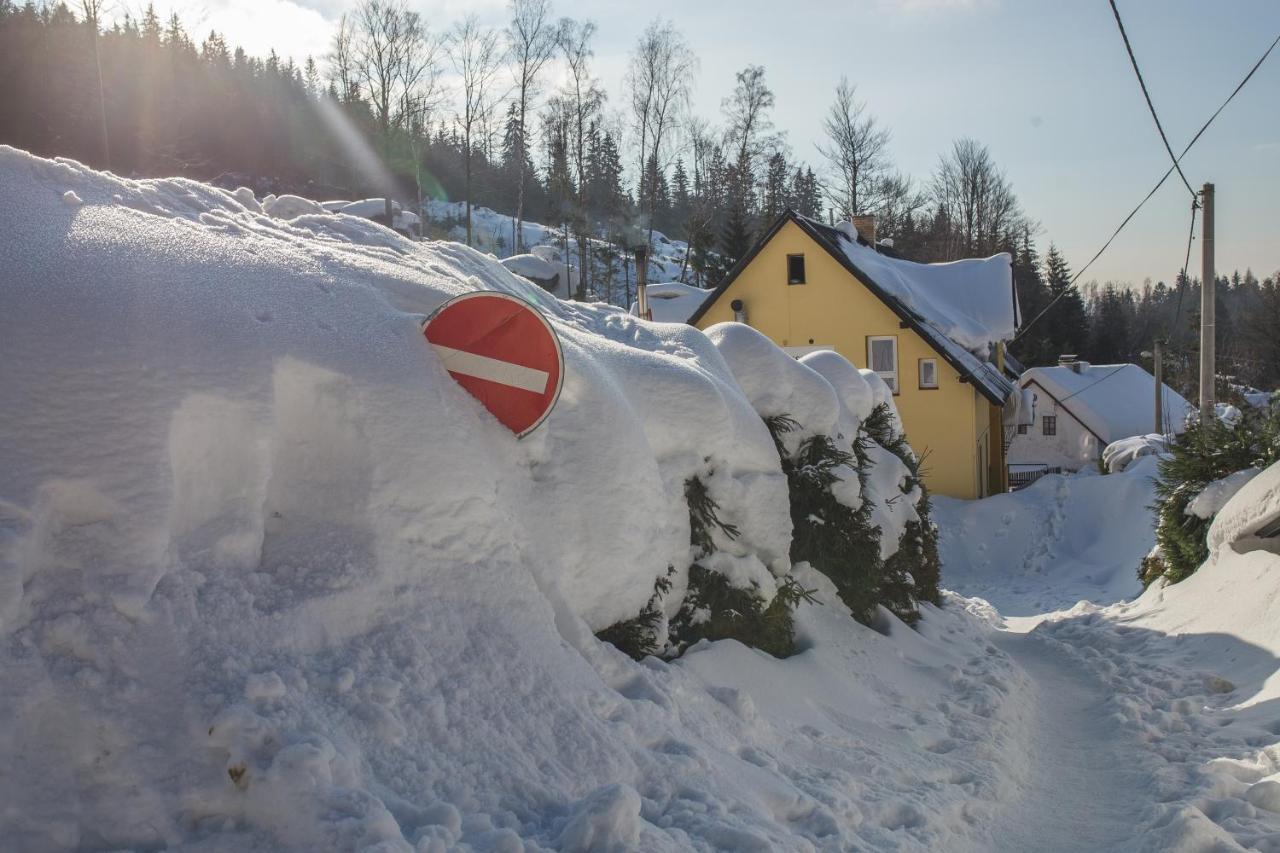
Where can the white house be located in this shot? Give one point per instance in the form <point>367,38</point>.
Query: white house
<point>1080,408</point>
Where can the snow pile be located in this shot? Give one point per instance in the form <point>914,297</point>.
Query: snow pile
<point>673,301</point>
<point>970,301</point>
<point>1252,507</point>
<point>269,579</point>
<point>1112,400</point>
<point>1061,540</point>
<point>1119,455</point>
<point>779,385</point>
<point>1193,671</point>
<point>1214,496</point>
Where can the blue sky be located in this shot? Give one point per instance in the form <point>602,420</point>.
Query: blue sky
<point>1046,85</point>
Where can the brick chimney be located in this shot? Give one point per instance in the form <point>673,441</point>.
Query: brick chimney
<point>866,226</point>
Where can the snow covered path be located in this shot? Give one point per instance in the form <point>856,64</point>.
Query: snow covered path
<point>1084,789</point>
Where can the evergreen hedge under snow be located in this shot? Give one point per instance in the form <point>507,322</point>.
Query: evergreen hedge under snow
<point>1199,458</point>
<point>841,515</point>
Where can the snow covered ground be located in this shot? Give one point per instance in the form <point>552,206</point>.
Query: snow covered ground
<point>270,580</point>
<point>1061,540</point>
<point>1159,712</point>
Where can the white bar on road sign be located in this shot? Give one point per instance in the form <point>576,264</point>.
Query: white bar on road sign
<point>493,370</point>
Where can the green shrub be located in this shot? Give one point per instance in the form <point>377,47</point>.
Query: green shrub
<point>1204,453</point>
<point>639,635</point>
<point>712,609</point>
<point>917,554</point>
<point>837,540</point>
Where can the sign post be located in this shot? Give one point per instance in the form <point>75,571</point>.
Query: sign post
<point>503,352</point>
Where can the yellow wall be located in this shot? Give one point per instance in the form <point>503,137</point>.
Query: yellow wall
<point>832,309</point>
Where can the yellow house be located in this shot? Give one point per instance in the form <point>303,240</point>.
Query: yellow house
<point>927,329</point>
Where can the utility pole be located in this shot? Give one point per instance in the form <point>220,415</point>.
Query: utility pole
<point>1159,371</point>
<point>1208,287</point>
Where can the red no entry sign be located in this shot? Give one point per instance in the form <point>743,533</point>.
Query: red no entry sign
<point>503,352</point>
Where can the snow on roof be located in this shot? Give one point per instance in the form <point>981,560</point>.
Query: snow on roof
<point>289,206</point>
<point>960,308</point>
<point>1113,400</point>
<point>673,301</point>
<point>369,207</point>
<point>970,301</point>
<point>531,267</point>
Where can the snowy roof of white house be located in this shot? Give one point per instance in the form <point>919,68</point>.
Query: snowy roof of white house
<point>673,301</point>
<point>961,308</point>
<point>1113,401</point>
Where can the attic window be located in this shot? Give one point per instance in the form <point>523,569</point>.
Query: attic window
<point>1049,425</point>
<point>795,269</point>
<point>929,373</point>
<point>882,356</point>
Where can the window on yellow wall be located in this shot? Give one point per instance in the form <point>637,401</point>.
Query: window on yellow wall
<point>795,269</point>
<point>882,356</point>
<point>928,373</point>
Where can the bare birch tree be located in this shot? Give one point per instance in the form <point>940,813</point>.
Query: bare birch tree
<point>856,152</point>
<point>659,78</point>
<point>585,98</point>
<point>386,52</point>
<point>531,42</point>
<point>976,199</point>
<point>476,56</point>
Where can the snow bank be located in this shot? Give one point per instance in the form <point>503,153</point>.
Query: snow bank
<point>269,579</point>
<point>1214,496</point>
<point>1061,540</point>
<point>1194,672</point>
<point>1253,506</point>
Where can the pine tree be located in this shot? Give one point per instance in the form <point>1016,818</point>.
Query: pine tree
<point>774,198</point>
<point>1066,324</point>
<point>1035,347</point>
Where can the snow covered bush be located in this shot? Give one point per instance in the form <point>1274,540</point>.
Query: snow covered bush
<point>854,501</point>
<point>714,606</point>
<point>1194,484</point>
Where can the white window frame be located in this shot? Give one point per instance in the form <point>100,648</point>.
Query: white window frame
<point>920,370</point>
<point>889,376</point>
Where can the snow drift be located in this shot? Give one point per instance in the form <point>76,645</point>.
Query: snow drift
<point>269,579</point>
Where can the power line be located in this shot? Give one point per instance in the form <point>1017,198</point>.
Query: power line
<point>1158,185</point>
<point>1133,60</point>
<point>1094,382</point>
<point>1182,282</point>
